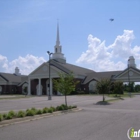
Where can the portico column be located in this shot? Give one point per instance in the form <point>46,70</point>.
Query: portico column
<point>29,86</point>
<point>39,86</point>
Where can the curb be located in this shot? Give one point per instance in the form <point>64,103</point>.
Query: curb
<point>5,123</point>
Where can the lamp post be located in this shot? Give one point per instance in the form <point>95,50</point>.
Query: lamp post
<point>129,79</point>
<point>49,97</point>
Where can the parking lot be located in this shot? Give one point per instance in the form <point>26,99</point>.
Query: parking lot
<point>42,101</point>
<point>94,122</point>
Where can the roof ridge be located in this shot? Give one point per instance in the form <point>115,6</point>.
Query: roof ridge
<point>57,64</point>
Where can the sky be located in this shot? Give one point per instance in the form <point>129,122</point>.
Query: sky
<point>88,38</point>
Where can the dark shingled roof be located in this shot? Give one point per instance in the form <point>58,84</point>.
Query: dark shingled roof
<point>13,78</point>
<point>100,75</point>
<point>127,71</point>
<point>89,74</point>
<point>66,67</point>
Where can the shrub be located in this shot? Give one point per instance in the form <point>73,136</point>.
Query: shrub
<point>30,112</point>
<point>53,108</point>
<point>34,109</point>
<point>21,114</point>
<point>74,106</point>
<point>61,108</point>
<point>27,110</point>
<point>39,111</point>
<point>9,116</point>
<point>118,87</point>
<point>45,110</point>
<point>73,93</point>
<point>12,113</point>
<point>81,92</point>
<point>64,107</point>
<point>4,116</point>
<point>50,110</point>
<point>1,117</point>
<point>57,108</point>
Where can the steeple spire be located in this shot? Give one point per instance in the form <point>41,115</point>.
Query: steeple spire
<point>57,37</point>
<point>58,55</point>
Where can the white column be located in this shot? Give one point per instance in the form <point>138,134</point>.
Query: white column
<point>39,86</point>
<point>29,86</point>
<point>51,86</point>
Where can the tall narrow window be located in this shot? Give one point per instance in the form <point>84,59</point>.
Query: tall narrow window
<point>55,49</point>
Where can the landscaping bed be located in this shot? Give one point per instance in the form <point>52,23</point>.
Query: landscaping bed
<point>33,112</point>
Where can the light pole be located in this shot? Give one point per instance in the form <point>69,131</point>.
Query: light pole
<point>129,79</point>
<point>49,97</point>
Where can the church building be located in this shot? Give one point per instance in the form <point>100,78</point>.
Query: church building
<point>37,82</point>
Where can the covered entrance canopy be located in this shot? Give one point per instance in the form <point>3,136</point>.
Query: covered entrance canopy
<point>130,74</point>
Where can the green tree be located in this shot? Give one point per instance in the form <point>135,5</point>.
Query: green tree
<point>25,90</point>
<point>65,84</point>
<point>103,87</point>
<point>137,88</point>
<point>118,87</point>
<point>131,86</point>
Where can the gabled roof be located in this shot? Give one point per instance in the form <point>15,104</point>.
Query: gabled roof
<point>87,73</point>
<point>37,68</point>
<point>3,77</point>
<point>100,75</point>
<point>13,78</point>
<point>126,70</point>
<point>24,79</point>
<point>58,66</point>
<point>66,67</point>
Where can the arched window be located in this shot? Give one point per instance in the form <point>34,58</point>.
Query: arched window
<point>25,88</point>
<point>92,86</point>
<point>55,49</point>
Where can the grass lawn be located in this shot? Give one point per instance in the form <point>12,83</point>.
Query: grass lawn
<point>125,95</point>
<point>108,95</point>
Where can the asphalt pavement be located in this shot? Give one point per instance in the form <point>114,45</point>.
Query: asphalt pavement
<point>93,122</point>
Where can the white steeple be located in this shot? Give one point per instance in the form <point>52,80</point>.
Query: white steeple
<point>57,37</point>
<point>57,47</point>
<point>58,55</point>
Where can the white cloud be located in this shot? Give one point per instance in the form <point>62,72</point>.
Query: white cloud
<point>3,61</point>
<point>122,44</point>
<point>26,64</point>
<point>112,57</point>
